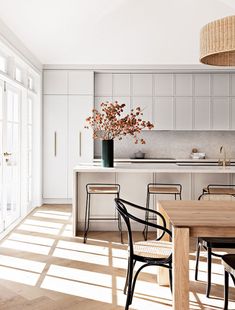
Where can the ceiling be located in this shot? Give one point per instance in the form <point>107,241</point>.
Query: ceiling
<point>112,31</point>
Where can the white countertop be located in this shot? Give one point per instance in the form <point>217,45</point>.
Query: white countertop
<point>153,168</point>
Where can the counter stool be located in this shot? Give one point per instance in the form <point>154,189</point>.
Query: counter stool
<point>219,189</point>
<point>101,189</point>
<point>228,261</point>
<point>163,189</point>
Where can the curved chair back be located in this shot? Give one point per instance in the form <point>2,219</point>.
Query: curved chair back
<point>123,206</point>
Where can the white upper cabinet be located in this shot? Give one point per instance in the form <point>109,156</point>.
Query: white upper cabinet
<point>220,85</point>
<point>121,85</point>
<point>163,113</point>
<point>145,104</point>
<point>142,85</point>
<point>183,85</point>
<point>183,113</point>
<point>163,85</point>
<point>103,84</point>
<point>55,82</point>
<point>202,113</point>
<point>220,115</point>
<point>202,84</point>
<point>80,82</point>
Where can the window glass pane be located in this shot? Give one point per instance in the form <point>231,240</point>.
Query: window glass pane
<point>10,106</point>
<point>30,83</point>
<point>30,110</point>
<point>18,75</point>
<point>16,107</point>
<point>3,63</point>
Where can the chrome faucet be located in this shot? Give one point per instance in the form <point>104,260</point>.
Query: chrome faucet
<point>223,162</point>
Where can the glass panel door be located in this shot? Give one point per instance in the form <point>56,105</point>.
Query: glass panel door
<point>1,155</point>
<point>11,155</point>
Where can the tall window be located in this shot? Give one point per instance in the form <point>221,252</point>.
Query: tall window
<point>29,144</point>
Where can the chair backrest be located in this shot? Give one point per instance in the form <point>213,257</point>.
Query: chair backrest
<point>217,197</point>
<point>123,206</point>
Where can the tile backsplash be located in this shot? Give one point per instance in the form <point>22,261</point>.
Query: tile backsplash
<point>176,144</point>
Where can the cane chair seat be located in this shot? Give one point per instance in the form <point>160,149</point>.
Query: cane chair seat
<point>153,248</point>
<point>218,197</point>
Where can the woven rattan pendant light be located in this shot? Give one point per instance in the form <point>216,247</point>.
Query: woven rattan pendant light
<point>217,42</point>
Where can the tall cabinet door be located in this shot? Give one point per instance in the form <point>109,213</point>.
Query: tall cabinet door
<point>80,142</point>
<point>55,146</point>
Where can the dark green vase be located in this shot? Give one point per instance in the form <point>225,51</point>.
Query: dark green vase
<point>107,153</point>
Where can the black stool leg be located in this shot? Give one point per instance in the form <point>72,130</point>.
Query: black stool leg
<point>87,217</point>
<point>197,259</point>
<point>226,288</point>
<point>145,231</point>
<point>208,272</point>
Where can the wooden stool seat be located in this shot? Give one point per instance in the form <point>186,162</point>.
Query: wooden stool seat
<point>220,190</point>
<point>103,189</point>
<point>163,190</point>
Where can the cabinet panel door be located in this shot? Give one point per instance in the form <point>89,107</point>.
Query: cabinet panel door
<point>145,103</point>
<point>81,82</point>
<point>183,84</point>
<point>233,84</point>
<point>220,114</point>
<point>233,113</point>
<point>142,85</point>
<point>202,84</point>
<point>103,84</point>
<point>80,141</point>
<point>163,85</point>
<point>55,147</point>
<point>220,84</point>
<point>163,110</point>
<point>202,113</point>
<point>183,113</point>
<point>55,82</point>
<point>121,85</point>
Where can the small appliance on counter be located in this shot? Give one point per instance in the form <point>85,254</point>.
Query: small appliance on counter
<point>138,155</point>
<point>197,155</point>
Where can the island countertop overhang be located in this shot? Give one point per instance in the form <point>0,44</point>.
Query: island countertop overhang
<point>153,168</point>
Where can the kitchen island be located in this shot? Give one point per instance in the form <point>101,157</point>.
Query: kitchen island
<point>133,179</point>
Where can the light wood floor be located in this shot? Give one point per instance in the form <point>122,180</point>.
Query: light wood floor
<point>43,267</point>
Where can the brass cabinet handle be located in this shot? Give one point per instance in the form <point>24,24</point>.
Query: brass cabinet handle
<point>80,143</point>
<point>6,154</point>
<point>55,143</point>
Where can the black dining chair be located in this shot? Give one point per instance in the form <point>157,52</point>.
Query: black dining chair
<point>228,261</point>
<point>210,243</point>
<point>151,253</point>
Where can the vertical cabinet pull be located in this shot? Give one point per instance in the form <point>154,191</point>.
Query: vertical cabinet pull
<point>80,143</point>
<point>55,144</point>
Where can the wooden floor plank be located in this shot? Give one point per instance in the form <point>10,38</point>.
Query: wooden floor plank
<point>42,266</point>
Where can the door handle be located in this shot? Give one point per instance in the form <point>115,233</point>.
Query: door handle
<point>7,154</point>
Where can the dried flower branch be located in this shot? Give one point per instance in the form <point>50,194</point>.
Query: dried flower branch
<point>109,124</point>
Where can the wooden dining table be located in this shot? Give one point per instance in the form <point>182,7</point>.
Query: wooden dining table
<point>194,219</point>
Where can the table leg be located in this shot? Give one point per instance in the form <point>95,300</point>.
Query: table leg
<point>180,268</point>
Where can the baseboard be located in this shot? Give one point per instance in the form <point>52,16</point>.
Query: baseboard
<point>59,201</point>
<point>110,226</point>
